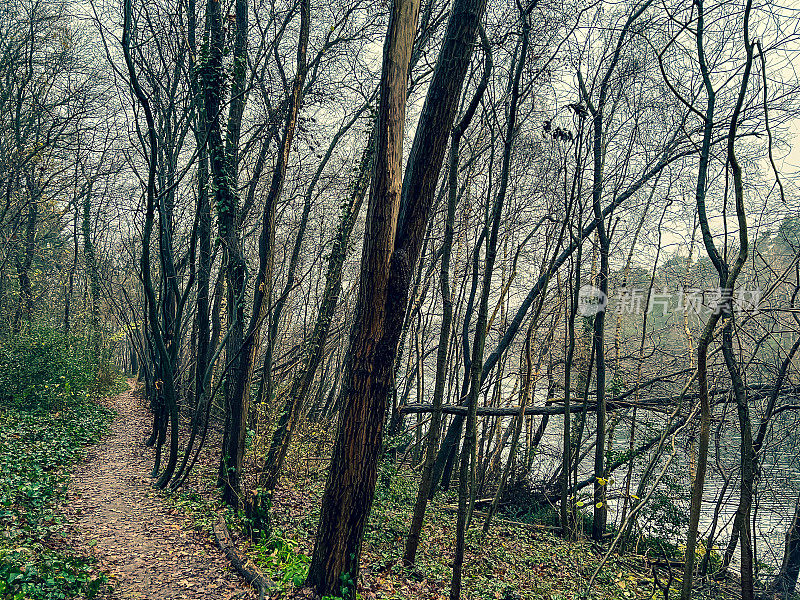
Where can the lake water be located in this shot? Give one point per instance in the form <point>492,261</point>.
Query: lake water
<point>777,488</point>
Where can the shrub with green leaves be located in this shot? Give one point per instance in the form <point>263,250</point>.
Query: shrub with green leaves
<point>45,369</point>
<point>282,561</point>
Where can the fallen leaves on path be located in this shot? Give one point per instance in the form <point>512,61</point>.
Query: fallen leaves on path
<point>149,550</point>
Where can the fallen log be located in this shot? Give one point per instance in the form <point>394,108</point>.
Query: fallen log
<point>554,407</point>
<point>660,562</point>
<point>483,411</point>
<point>243,565</point>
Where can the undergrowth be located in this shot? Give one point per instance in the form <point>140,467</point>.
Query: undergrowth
<point>48,416</point>
<point>513,561</point>
<point>282,561</point>
<point>518,559</point>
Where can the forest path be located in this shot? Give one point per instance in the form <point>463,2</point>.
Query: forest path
<point>147,546</point>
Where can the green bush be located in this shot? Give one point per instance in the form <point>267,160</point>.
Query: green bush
<point>46,370</point>
<point>283,563</point>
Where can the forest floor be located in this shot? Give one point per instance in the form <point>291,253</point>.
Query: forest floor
<point>519,558</point>
<point>155,545</point>
<point>148,547</point>
<point>512,561</point>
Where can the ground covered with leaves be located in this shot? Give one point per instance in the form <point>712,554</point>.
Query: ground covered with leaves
<point>147,546</point>
<point>513,561</point>
<point>47,417</point>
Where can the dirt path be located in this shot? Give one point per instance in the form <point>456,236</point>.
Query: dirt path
<point>149,549</point>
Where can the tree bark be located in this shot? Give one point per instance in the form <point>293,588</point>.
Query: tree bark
<point>387,263</point>
<point>351,478</point>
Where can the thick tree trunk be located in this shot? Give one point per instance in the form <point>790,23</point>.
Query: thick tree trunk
<point>351,479</point>
<point>223,160</point>
<point>387,263</point>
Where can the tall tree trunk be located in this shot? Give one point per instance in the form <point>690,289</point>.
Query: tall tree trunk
<point>161,350</point>
<point>566,510</point>
<point>598,155</point>
<point>747,460</point>
<point>351,478</point>
<point>434,430</point>
<point>740,394</point>
<point>202,262</point>
<point>70,287</point>
<point>705,338</point>
<point>723,309</point>
<point>378,326</point>
<point>223,155</point>
<point>266,243</point>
